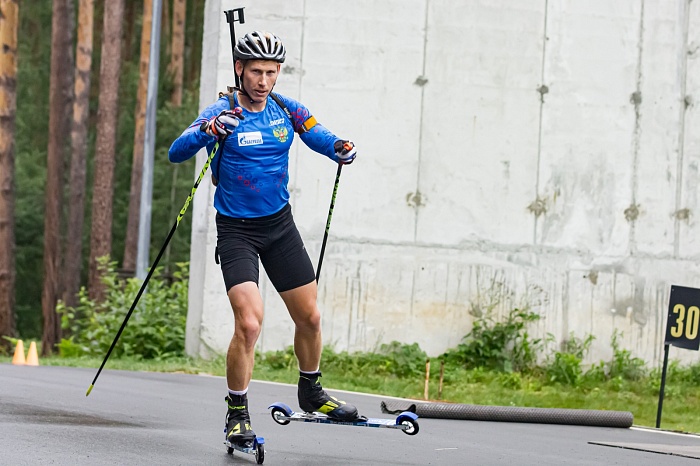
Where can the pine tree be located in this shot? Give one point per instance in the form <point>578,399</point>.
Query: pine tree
<point>60,101</point>
<point>9,14</point>
<point>107,113</point>
<point>177,50</point>
<point>79,136</point>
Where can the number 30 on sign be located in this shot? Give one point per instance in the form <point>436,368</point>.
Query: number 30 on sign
<point>683,324</point>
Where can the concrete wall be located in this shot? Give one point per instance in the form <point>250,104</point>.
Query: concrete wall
<point>511,153</point>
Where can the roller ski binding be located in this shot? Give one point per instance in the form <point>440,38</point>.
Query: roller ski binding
<point>321,408</point>
<point>313,398</point>
<point>238,433</point>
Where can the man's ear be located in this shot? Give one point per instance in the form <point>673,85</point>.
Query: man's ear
<point>238,68</point>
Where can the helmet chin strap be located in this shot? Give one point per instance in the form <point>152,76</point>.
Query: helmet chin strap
<point>245,93</point>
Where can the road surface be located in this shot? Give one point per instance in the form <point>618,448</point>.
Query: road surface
<point>134,418</point>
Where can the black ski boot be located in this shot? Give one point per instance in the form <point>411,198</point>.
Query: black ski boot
<point>238,430</point>
<point>312,397</point>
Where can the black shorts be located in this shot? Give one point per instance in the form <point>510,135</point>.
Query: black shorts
<point>274,239</point>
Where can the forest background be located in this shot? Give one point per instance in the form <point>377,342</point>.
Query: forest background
<point>73,78</point>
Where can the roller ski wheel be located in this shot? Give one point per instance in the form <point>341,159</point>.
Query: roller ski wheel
<point>405,422</point>
<point>409,423</point>
<point>256,447</point>
<point>280,415</point>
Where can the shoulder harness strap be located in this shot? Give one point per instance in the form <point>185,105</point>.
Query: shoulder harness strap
<point>286,111</point>
<point>229,94</point>
<point>305,127</point>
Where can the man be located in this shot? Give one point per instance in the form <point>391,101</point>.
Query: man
<point>254,220</point>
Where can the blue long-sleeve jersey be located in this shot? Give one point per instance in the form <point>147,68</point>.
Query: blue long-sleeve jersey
<point>252,168</point>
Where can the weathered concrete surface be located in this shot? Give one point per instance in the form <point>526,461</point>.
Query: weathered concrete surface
<point>540,154</point>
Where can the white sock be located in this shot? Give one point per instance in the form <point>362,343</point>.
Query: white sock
<point>238,392</point>
<point>309,372</point>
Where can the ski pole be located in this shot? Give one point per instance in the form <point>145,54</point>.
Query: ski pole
<point>328,221</point>
<point>217,147</point>
<point>231,17</point>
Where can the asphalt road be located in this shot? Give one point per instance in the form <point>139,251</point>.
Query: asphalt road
<point>134,418</point>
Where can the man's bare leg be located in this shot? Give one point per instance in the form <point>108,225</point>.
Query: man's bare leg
<point>248,315</point>
<point>247,306</point>
<point>301,303</point>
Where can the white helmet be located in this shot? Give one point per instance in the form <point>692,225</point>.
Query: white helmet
<point>260,46</point>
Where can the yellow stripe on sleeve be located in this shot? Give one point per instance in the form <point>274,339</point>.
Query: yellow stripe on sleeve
<point>310,123</point>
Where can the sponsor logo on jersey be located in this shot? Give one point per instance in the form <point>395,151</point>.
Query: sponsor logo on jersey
<point>276,122</point>
<point>281,133</point>
<point>250,139</point>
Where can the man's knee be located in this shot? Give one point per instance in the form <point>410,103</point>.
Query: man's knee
<point>248,329</point>
<point>311,320</point>
<point>247,311</point>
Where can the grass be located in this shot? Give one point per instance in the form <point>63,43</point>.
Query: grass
<point>476,386</point>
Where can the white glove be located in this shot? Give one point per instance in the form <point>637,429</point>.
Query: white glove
<point>223,124</point>
<point>345,151</point>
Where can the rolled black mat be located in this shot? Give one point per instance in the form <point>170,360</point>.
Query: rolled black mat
<point>577,417</point>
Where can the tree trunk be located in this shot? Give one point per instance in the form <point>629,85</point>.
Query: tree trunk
<point>132,225</point>
<point>107,112</point>
<point>177,50</point>
<point>9,14</point>
<point>195,55</point>
<point>130,22</point>
<point>79,133</point>
<point>60,99</point>
<point>165,25</point>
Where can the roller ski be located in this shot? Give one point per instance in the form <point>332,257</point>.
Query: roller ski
<point>406,421</point>
<point>238,434</point>
<point>321,408</point>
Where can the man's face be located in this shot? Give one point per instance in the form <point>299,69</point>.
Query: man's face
<point>259,77</point>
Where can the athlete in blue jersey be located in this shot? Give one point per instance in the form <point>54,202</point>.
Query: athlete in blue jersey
<point>254,220</point>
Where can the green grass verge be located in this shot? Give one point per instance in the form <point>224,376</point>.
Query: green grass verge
<point>477,386</point>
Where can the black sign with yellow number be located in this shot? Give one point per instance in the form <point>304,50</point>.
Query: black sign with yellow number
<point>683,318</point>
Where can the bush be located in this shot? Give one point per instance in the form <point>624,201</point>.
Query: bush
<point>155,330</point>
<point>623,364</point>
<point>502,346</point>
<point>565,366</point>
<point>689,374</point>
<point>403,360</point>
<point>282,359</point>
